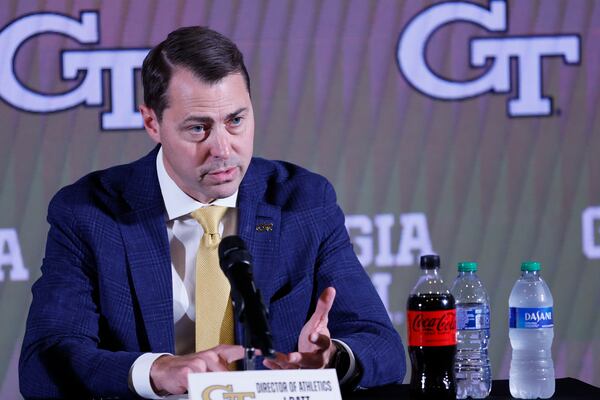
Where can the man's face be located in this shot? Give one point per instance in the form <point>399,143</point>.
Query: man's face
<point>206,132</point>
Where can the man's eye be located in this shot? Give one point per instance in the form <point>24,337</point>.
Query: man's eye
<point>235,121</point>
<point>197,129</point>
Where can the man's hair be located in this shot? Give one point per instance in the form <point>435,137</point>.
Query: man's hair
<point>209,55</point>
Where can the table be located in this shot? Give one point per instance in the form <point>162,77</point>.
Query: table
<point>566,389</point>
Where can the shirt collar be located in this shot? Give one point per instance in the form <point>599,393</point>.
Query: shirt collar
<point>177,202</point>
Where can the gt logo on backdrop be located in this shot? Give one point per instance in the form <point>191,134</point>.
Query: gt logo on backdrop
<point>121,64</point>
<point>529,52</point>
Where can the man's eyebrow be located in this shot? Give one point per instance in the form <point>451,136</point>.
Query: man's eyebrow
<point>235,113</point>
<point>197,119</point>
<point>209,120</point>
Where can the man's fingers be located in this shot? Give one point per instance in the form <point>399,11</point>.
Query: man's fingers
<point>206,361</point>
<point>321,341</point>
<point>284,361</point>
<point>216,364</point>
<point>295,360</point>
<point>325,301</point>
<point>324,305</point>
<point>216,359</point>
<point>278,362</point>
<point>169,373</point>
<point>271,364</point>
<point>307,360</point>
<point>231,353</point>
<point>275,365</point>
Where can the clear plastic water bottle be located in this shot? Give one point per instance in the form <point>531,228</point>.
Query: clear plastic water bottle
<point>531,331</point>
<point>472,364</point>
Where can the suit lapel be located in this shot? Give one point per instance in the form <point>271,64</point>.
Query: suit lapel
<point>261,234</point>
<point>144,233</point>
<point>259,225</point>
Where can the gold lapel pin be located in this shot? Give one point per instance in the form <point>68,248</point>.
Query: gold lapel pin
<point>267,227</point>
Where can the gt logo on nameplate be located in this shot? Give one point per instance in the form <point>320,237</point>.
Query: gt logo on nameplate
<point>297,384</point>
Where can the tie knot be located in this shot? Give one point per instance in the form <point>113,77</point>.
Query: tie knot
<point>209,218</point>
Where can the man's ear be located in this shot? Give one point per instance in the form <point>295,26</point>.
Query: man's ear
<point>151,123</point>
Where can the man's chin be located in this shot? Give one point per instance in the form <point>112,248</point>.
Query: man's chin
<point>223,190</point>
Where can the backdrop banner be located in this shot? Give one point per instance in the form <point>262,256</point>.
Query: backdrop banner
<point>469,129</point>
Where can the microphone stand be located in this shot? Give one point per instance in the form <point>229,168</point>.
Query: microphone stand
<point>249,351</point>
<point>250,341</point>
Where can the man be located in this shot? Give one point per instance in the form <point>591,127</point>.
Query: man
<point>114,313</point>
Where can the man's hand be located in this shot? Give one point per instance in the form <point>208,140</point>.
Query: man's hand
<point>169,374</point>
<point>315,348</point>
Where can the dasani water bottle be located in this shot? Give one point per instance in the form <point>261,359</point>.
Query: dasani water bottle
<point>531,331</point>
<point>471,365</point>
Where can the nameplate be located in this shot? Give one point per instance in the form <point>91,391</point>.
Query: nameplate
<point>291,384</point>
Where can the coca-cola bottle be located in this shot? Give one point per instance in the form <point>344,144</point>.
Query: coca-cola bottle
<point>431,323</point>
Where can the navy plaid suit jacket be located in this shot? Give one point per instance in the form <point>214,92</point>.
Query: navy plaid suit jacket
<point>105,294</point>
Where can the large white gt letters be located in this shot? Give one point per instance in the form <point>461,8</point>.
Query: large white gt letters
<point>121,64</point>
<point>527,50</point>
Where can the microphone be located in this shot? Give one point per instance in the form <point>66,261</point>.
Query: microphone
<point>236,263</point>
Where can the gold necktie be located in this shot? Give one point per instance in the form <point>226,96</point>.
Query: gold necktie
<point>214,312</point>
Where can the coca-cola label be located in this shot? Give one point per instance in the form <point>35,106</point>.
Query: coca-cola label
<point>531,318</point>
<point>432,328</point>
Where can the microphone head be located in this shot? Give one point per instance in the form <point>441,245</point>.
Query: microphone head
<point>232,250</point>
<point>231,243</point>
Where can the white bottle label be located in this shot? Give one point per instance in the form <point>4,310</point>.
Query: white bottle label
<point>531,318</point>
<point>472,317</point>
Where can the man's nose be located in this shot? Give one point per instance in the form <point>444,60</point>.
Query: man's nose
<point>220,146</point>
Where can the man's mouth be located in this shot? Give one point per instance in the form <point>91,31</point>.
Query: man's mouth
<point>222,174</point>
